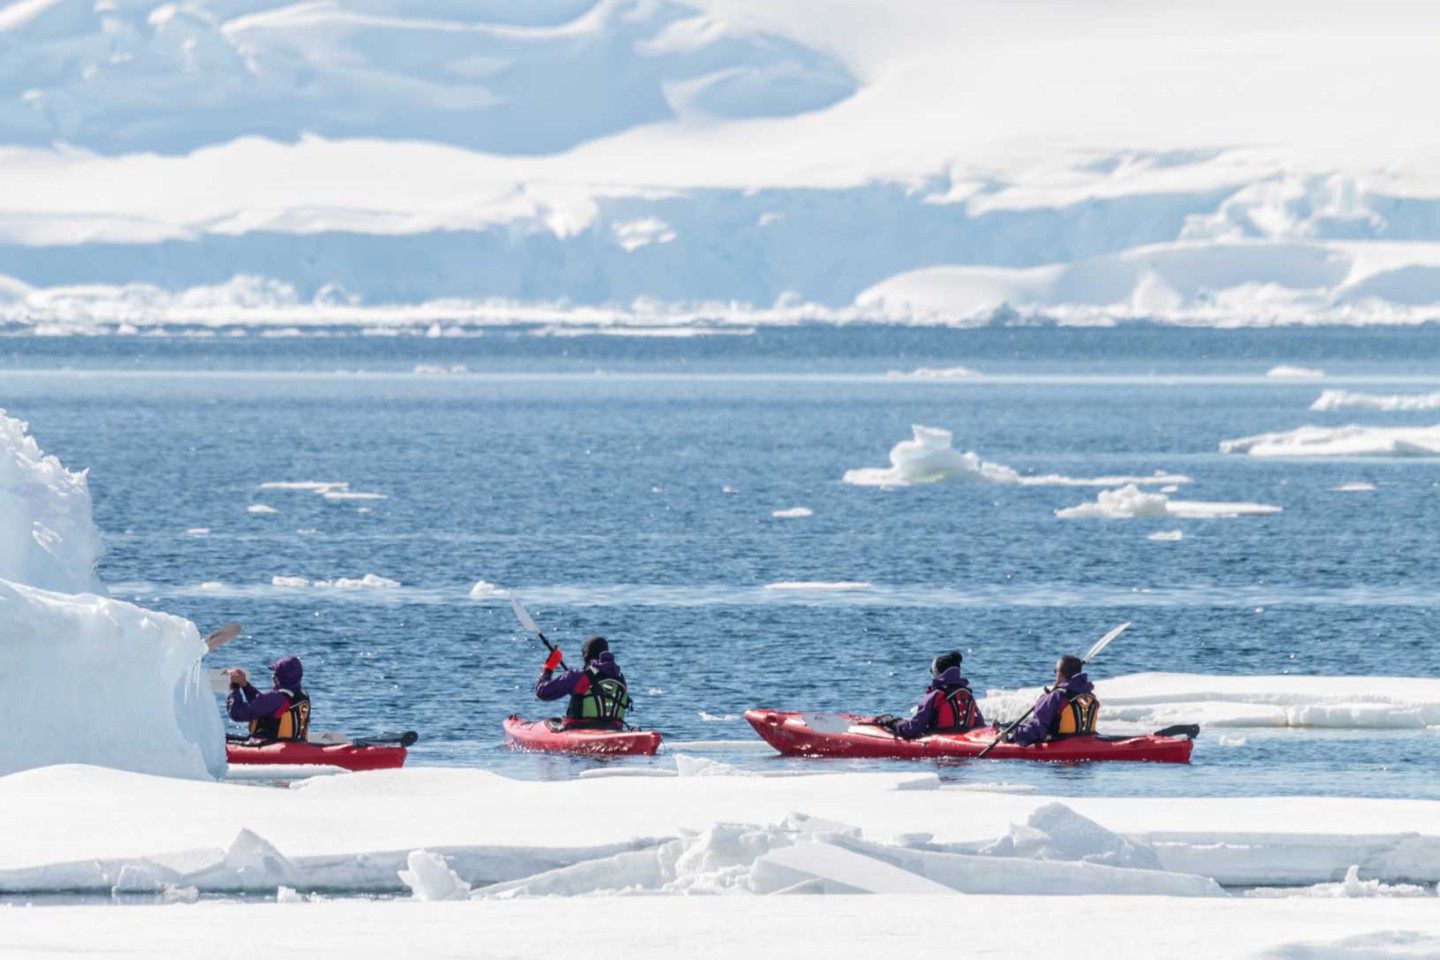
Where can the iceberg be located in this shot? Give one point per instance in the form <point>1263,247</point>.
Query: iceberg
<point>121,685</point>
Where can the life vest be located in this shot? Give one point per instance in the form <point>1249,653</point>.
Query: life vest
<point>603,700</point>
<point>290,723</point>
<point>1077,718</point>
<point>956,711</point>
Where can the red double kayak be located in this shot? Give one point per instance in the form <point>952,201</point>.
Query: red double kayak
<point>358,755</point>
<point>546,736</point>
<point>845,735</point>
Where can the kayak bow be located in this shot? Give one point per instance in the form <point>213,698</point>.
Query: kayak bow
<point>542,736</point>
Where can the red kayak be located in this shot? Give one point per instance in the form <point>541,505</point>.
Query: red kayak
<point>845,735</point>
<point>549,736</point>
<point>361,754</point>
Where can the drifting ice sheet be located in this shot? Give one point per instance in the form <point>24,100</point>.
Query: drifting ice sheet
<point>1130,502</point>
<point>929,457</point>
<point>1352,440</point>
<point>1345,400</point>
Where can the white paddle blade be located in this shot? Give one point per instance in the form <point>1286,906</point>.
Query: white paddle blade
<point>1104,641</point>
<point>219,680</point>
<point>222,636</point>
<point>523,615</point>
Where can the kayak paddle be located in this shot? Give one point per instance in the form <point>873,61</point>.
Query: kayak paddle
<point>221,637</point>
<point>528,623</point>
<point>1091,654</point>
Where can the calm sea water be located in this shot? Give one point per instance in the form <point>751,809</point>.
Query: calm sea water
<point>626,486</point>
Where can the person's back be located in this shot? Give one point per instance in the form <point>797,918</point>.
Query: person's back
<point>1068,709</point>
<point>599,695</point>
<point>948,706</point>
<point>282,713</point>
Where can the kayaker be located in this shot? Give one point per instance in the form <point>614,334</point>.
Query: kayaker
<point>598,694</point>
<point>948,706</point>
<point>281,713</point>
<point>1067,709</point>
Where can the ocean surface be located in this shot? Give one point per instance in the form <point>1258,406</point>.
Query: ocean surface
<point>626,486</point>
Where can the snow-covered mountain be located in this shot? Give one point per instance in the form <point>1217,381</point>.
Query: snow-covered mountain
<point>913,160</point>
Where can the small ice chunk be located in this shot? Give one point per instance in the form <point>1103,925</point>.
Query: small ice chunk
<point>793,513</point>
<point>1352,887</point>
<point>284,894</point>
<point>1343,400</point>
<point>313,486</point>
<point>1167,536</point>
<point>353,495</point>
<point>818,585</point>
<point>933,373</point>
<point>198,532</point>
<point>1287,372</point>
<point>261,508</point>
<point>1130,502</point>
<point>289,582</point>
<point>1226,740</point>
<point>1352,440</point>
<point>1354,488</point>
<point>485,590</point>
<point>370,581</point>
<point>430,878</point>
<point>212,585</point>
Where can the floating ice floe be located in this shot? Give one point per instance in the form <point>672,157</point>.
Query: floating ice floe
<point>1352,440</point>
<point>430,878</point>
<point>1346,400</point>
<point>437,369</point>
<point>198,532</point>
<point>1287,372</point>
<point>933,373</point>
<point>930,457</point>
<point>1130,502</point>
<point>1354,488</point>
<point>261,508</point>
<point>1167,536</point>
<point>370,581</point>
<point>1149,701</point>
<point>485,590</point>
<point>818,585</point>
<point>329,489</point>
<point>793,513</point>
<point>353,495</point>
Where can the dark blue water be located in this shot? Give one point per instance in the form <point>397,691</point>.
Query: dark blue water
<point>591,475</point>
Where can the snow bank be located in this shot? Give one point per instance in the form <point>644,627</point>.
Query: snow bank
<point>1148,701</point>
<point>1287,372</point>
<point>1352,887</point>
<point>83,678</point>
<point>1347,400</point>
<point>717,833</point>
<point>1129,502</point>
<point>930,457</point>
<point>1348,441</point>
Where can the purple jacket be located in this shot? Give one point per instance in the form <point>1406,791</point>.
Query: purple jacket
<point>1047,710</point>
<point>247,703</point>
<point>551,687</point>
<point>924,718</point>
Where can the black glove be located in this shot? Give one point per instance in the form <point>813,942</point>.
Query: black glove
<point>886,722</point>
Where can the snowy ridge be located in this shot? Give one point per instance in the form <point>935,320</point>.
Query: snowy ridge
<point>730,160</point>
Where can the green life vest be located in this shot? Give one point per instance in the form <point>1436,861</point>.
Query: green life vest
<point>605,699</point>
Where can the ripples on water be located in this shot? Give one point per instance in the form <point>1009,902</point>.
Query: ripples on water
<point>627,487</point>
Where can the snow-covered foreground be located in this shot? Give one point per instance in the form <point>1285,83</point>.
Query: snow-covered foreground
<point>651,161</point>
<point>472,833</point>
<point>842,928</point>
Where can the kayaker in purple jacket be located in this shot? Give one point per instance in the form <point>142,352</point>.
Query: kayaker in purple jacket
<point>948,706</point>
<point>598,692</point>
<point>281,713</point>
<point>1065,710</point>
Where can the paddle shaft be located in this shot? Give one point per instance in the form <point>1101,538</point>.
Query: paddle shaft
<point>1094,652</point>
<point>528,622</point>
